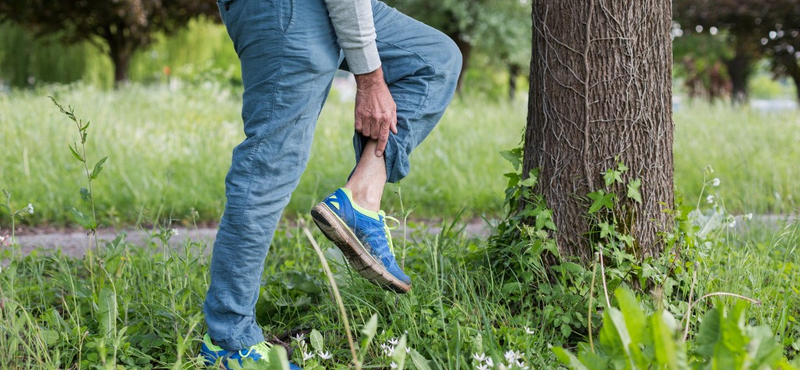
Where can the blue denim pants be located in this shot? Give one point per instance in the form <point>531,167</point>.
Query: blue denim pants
<point>289,54</point>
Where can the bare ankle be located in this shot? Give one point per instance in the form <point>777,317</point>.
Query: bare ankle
<point>366,198</point>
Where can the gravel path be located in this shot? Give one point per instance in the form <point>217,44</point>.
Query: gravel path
<point>74,243</point>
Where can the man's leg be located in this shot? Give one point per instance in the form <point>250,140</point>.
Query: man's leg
<point>421,67</point>
<point>289,54</point>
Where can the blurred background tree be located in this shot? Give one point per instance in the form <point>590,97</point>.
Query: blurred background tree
<point>119,28</point>
<point>741,32</point>
<point>498,30</point>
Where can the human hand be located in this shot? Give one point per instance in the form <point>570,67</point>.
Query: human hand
<point>376,111</point>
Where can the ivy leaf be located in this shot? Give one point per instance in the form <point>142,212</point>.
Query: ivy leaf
<point>600,199</point>
<point>612,176</point>
<point>633,190</point>
<point>513,156</point>
<point>98,167</point>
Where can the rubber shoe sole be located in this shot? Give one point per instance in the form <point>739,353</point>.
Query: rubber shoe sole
<point>354,251</point>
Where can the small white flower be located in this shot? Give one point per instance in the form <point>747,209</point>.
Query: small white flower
<point>299,337</point>
<point>482,367</point>
<point>175,232</point>
<point>522,364</point>
<point>715,182</point>
<point>28,208</point>
<point>393,341</point>
<point>408,349</point>
<point>308,356</point>
<point>732,223</point>
<point>528,331</point>
<point>324,355</point>
<point>393,365</point>
<point>479,357</point>
<point>748,216</point>
<point>710,199</point>
<point>512,356</point>
<point>489,362</point>
<point>387,349</point>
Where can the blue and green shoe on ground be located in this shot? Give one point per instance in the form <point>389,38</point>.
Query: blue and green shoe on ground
<point>363,238</point>
<point>260,353</point>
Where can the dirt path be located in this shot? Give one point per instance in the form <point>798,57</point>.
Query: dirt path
<point>75,243</point>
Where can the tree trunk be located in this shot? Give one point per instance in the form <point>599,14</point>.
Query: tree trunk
<point>120,51</point>
<point>513,75</point>
<point>790,63</point>
<point>740,67</point>
<point>121,64</point>
<point>466,49</point>
<point>600,94</point>
<point>737,70</point>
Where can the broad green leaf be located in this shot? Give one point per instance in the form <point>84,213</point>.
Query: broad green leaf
<point>568,359</point>
<point>664,341</point>
<point>316,340</point>
<point>50,337</point>
<point>763,349</point>
<point>614,335</point>
<point>635,320</point>
<point>709,334</point>
<point>399,353</point>
<point>420,362</point>
<point>107,311</point>
<point>81,219</point>
<point>277,359</point>
<point>98,167</point>
<point>369,330</point>
<point>371,326</point>
<point>633,190</point>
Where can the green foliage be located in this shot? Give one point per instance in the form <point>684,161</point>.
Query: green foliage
<point>499,30</point>
<point>118,28</point>
<point>631,339</point>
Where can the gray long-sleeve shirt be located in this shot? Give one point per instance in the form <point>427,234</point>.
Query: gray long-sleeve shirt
<point>355,30</point>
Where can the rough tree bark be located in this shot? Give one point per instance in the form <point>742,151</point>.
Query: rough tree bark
<point>601,92</point>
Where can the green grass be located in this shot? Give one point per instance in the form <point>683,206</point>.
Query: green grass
<point>169,152</point>
<point>753,153</point>
<point>140,306</point>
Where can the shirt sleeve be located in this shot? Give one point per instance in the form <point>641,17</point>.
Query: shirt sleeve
<point>355,30</point>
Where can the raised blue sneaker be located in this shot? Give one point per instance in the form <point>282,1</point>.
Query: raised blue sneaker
<point>215,355</point>
<point>364,239</point>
